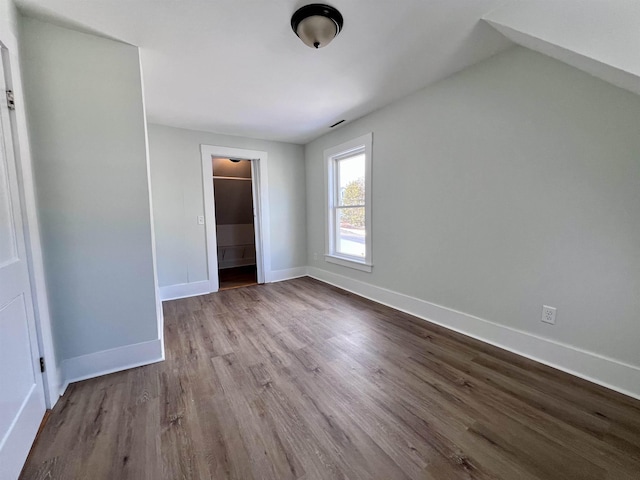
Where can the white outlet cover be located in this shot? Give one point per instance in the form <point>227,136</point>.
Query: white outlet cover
<point>548,314</point>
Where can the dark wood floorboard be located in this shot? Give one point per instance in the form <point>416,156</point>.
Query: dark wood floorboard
<point>301,380</point>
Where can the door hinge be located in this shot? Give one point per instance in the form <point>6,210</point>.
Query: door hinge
<point>42,365</point>
<point>11,102</point>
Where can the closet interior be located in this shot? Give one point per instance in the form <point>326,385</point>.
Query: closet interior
<point>235,231</point>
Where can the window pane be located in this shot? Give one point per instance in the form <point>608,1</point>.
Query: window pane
<point>351,234</point>
<point>351,180</point>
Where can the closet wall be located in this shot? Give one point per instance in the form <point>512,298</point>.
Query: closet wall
<point>88,140</point>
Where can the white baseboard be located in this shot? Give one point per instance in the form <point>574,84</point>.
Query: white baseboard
<point>184,290</point>
<point>599,369</point>
<point>110,361</point>
<point>286,274</point>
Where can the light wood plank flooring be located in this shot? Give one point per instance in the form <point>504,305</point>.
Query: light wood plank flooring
<point>300,380</point>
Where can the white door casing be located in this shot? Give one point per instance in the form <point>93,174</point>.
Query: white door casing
<point>258,170</point>
<point>260,213</point>
<point>22,402</point>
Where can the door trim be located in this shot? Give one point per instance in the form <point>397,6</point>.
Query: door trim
<point>26,398</point>
<point>26,188</point>
<point>260,191</point>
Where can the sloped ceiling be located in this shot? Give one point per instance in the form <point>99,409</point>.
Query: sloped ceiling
<point>600,37</point>
<point>236,67</point>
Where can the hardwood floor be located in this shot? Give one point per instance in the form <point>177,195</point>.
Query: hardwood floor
<point>237,277</point>
<point>300,380</point>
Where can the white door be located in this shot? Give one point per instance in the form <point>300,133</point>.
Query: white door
<point>22,403</point>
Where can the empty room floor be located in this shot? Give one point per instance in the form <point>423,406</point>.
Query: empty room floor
<point>300,380</point>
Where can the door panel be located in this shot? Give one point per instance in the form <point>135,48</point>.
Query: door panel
<point>21,390</point>
<point>14,345</point>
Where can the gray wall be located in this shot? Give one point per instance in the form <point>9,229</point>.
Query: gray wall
<point>513,184</point>
<point>176,178</point>
<point>86,119</point>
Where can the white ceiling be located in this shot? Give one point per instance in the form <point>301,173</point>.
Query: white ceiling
<point>236,67</point>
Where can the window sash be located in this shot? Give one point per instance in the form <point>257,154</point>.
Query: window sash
<point>337,241</point>
<point>335,211</point>
<point>336,173</point>
<point>337,207</point>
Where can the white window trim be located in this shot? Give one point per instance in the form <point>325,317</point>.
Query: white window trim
<point>330,156</point>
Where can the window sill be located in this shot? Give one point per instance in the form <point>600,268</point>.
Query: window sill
<point>347,262</point>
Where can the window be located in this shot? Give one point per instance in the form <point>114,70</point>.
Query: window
<point>349,203</point>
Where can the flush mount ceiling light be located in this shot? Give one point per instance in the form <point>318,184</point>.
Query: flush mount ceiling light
<point>316,24</point>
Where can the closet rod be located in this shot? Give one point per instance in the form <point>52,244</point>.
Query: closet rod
<point>219,177</point>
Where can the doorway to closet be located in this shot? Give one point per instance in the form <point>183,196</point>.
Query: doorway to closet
<point>235,228</point>
<point>235,245</point>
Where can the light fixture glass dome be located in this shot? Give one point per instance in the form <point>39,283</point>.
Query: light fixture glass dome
<point>316,24</point>
<point>317,31</point>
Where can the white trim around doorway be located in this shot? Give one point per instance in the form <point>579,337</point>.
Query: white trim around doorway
<point>259,177</point>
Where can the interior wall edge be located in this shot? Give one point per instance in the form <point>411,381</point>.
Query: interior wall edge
<point>607,372</point>
<point>109,361</point>
<point>184,290</point>
<point>154,255</point>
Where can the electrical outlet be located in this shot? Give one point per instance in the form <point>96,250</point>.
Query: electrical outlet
<point>315,256</point>
<point>200,219</point>
<point>548,314</point>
